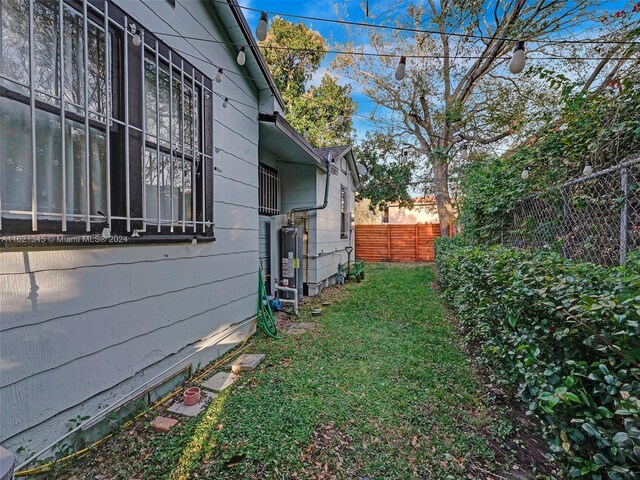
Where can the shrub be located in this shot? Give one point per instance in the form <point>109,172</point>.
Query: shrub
<point>567,336</point>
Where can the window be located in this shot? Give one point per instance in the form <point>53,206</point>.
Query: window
<point>345,216</point>
<point>268,190</point>
<point>343,165</point>
<point>96,129</point>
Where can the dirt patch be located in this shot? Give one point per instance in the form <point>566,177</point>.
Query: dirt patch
<point>514,437</point>
<point>329,454</point>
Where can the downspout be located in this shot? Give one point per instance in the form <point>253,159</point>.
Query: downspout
<point>317,207</point>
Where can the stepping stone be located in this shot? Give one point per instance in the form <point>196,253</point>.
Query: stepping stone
<point>163,424</point>
<point>192,410</point>
<point>247,362</point>
<point>326,304</point>
<point>300,328</point>
<point>316,313</point>
<point>220,381</point>
<point>296,331</point>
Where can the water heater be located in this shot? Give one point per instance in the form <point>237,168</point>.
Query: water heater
<point>291,257</point>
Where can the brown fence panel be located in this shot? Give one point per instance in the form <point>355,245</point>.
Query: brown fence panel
<point>396,243</point>
<point>372,243</point>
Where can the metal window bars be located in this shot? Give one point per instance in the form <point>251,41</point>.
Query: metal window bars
<point>593,218</point>
<point>91,113</point>
<point>268,191</point>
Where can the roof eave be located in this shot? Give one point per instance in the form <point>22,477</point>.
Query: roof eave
<point>254,48</point>
<point>286,128</point>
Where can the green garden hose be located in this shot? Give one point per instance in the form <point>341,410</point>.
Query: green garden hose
<point>266,322</point>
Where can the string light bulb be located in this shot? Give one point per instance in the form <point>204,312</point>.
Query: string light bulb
<point>136,39</point>
<point>401,71</point>
<point>525,173</point>
<point>219,75</point>
<point>261,29</point>
<point>404,157</point>
<point>588,169</point>
<point>340,119</point>
<point>225,103</point>
<point>516,65</point>
<point>242,57</point>
<point>464,153</point>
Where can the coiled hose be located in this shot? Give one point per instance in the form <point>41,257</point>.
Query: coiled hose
<point>266,322</point>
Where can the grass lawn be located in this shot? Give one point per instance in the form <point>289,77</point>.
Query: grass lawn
<point>380,389</point>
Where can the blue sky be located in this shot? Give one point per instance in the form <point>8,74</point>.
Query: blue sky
<point>334,33</point>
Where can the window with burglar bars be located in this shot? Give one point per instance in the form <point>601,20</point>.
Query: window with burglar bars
<point>268,190</point>
<point>97,127</point>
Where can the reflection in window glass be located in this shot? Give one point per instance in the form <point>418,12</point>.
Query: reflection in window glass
<point>46,51</point>
<point>158,180</point>
<point>15,155</point>
<point>17,168</point>
<point>14,54</point>
<point>74,70</point>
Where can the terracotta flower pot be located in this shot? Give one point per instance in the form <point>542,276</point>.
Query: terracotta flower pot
<point>191,396</point>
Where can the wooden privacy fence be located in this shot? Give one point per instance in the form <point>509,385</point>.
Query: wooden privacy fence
<point>396,243</point>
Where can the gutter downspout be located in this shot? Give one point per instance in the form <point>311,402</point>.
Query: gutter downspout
<point>317,207</point>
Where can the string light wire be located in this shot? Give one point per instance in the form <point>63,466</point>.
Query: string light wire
<point>560,41</point>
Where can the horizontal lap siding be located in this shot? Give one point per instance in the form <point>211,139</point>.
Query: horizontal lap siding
<point>84,326</point>
<point>396,243</point>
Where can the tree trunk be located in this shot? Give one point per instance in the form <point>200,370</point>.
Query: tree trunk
<point>446,215</point>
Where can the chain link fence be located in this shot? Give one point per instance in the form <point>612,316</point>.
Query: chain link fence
<point>594,218</point>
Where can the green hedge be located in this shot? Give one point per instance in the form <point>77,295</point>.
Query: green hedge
<point>566,335</point>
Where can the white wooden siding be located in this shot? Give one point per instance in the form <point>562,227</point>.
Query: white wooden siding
<point>80,327</point>
<point>326,248</point>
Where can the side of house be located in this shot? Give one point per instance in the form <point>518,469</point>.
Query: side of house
<point>424,210</point>
<point>124,257</point>
<point>330,230</point>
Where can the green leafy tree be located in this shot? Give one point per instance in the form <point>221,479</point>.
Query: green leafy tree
<point>389,177</point>
<point>294,53</point>
<point>447,100</point>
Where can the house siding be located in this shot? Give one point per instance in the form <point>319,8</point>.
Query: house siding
<point>81,327</point>
<point>326,248</point>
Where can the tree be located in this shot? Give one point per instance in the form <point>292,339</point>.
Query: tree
<point>388,179</point>
<point>446,100</point>
<point>316,112</point>
<point>294,53</point>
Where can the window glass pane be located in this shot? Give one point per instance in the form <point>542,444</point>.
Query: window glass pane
<point>150,99</point>
<point>181,197</point>
<point>46,51</point>
<point>48,162</point>
<point>177,114</point>
<point>188,192</point>
<point>76,170</point>
<point>97,72</point>
<point>98,169</point>
<point>15,156</point>
<point>14,36</point>
<point>151,182</point>
<point>163,97</point>
<point>74,70</point>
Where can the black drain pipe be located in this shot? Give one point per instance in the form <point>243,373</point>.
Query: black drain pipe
<point>317,207</point>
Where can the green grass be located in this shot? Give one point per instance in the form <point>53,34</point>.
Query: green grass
<point>379,390</point>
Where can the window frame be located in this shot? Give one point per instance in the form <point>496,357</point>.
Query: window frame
<point>268,190</point>
<point>122,130</point>
<point>344,212</point>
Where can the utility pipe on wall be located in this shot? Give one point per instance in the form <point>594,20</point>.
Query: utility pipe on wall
<point>317,207</point>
